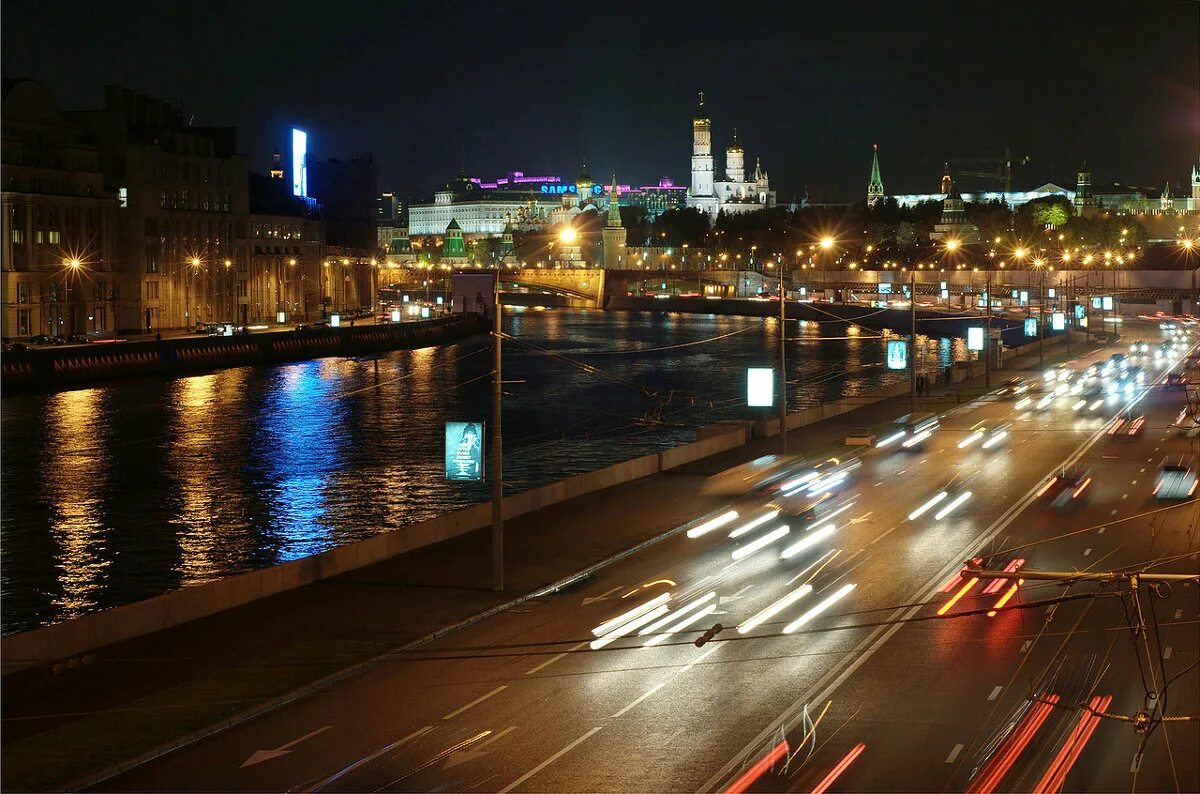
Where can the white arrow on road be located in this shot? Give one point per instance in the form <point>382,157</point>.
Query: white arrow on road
<point>282,750</point>
<point>463,756</point>
<point>735,596</point>
<point>862,518</point>
<point>593,599</point>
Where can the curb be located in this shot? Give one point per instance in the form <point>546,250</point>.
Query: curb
<point>280,701</point>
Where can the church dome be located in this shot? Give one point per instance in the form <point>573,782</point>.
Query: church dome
<point>735,146</point>
<point>584,180</point>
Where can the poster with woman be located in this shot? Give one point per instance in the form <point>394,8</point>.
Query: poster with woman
<point>464,451</point>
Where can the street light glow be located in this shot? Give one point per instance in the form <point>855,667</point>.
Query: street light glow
<point>827,243</point>
<point>568,235</point>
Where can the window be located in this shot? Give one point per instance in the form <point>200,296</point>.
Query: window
<point>39,237</point>
<point>23,322</point>
<point>123,197</point>
<point>22,292</point>
<point>152,290</point>
<point>241,289</point>
<point>18,236</point>
<point>151,259</point>
<point>54,237</point>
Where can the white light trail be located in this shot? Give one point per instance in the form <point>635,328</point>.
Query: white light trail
<point>828,482</point>
<point>890,439</point>
<point>712,523</point>
<point>760,542</point>
<point>789,485</point>
<point>658,624</point>
<point>837,595</point>
<point>1024,402</point>
<point>971,439</point>
<point>840,510</point>
<point>757,522</point>
<point>1096,404</point>
<point>630,627</point>
<point>917,439</point>
<point>774,609</point>
<point>995,439</point>
<point>948,509</point>
<point>681,625</point>
<point>1042,403</point>
<point>1078,404</point>
<point>920,511</point>
<point>810,537</point>
<point>609,625</point>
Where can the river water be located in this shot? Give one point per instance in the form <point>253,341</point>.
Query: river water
<point>121,492</point>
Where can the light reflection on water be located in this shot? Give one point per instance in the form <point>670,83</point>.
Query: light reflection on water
<point>126,491</point>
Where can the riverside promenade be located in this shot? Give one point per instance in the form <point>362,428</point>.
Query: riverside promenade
<point>73,720</point>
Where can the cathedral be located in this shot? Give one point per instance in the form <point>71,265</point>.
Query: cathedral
<point>735,193</point>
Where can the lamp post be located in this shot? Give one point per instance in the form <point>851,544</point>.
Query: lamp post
<point>188,273</point>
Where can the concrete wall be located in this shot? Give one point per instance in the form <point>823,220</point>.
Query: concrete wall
<point>92,631</point>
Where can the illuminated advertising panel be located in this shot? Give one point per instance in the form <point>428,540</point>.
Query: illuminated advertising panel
<point>1031,327</point>
<point>1107,303</point>
<point>1058,321</point>
<point>760,387</point>
<point>464,451</point>
<point>897,354</point>
<point>1080,311</point>
<point>1096,301</point>
<point>885,288</point>
<point>975,337</point>
<point>299,166</point>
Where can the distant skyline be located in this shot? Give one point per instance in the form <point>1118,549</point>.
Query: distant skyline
<point>427,88</point>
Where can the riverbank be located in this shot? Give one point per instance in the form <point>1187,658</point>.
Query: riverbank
<point>83,365</point>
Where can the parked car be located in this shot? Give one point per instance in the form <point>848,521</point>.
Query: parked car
<point>78,339</point>
<point>46,339</point>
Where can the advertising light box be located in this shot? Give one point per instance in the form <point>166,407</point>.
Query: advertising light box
<point>464,451</point>
<point>1107,303</point>
<point>1058,321</point>
<point>760,387</point>
<point>1031,327</point>
<point>897,354</point>
<point>975,337</point>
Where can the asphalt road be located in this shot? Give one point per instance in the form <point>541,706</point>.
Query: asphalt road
<point>524,702</point>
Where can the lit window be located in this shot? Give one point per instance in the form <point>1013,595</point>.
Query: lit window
<point>123,196</point>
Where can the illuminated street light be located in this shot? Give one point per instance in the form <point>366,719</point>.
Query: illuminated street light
<point>568,235</point>
<point>827,243</point>
<point>952,245</point>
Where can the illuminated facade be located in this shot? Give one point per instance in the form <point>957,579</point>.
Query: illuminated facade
<point>735,193</point>
<point>484,209</point>
<point>55,209</point>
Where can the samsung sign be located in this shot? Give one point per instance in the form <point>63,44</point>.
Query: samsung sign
<point>299,163</point>
<point>558,190</point>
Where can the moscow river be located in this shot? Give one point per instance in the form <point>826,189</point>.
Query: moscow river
<point>125,491</point>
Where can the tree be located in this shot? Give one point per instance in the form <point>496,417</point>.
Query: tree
<point>1048,211</point>
<point>909,235</point>
<point>682,225</point>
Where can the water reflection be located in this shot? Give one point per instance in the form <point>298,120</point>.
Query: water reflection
<point>75,466</point>
<point>123,492</point>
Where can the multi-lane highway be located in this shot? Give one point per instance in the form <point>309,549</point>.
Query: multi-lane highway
<point>852,654</point>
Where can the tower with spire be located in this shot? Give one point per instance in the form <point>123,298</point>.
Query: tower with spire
<point>1165,202</point>
<point>875,183</point>
<point>1085,202</point>
<point>277,165</point>
<point>1193,203</point>
<point>954,224</point>
<point>732,194</point>
<point>612,236</point>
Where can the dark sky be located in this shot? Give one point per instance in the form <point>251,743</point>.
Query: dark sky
<point>538,87</point>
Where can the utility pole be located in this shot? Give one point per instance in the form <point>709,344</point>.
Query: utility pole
<point>987,342</point>
<point>497,451</point>
<point>782,366</point>
<point>912,342</point>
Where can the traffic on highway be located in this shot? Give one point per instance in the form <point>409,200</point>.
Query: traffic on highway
<point>999,597</point>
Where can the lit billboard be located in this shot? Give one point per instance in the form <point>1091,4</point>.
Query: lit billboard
<point>1058,321</point>
<point>299,162</point>
<point>1031,327</point>
<point>975,338</point>
<point>897,354</point>
<point>464,451</point>
<point>760,386</point>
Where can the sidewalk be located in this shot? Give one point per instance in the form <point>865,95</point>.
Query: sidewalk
<point>65,722</point>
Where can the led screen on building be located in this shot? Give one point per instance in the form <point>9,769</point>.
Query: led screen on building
<point>299,167</point>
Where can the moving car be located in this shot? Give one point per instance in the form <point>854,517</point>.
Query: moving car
<point>1067,486</point>
<point>1127,425</point>
<point>1176,477</point>
<point>912,430</point>
<point>1014,387</point>
<point>753,476</point>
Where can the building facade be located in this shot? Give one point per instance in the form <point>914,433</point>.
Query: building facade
<point>182,212</point>
<point>483,210</point>
<point>735,193</point>
<point>59,223</point>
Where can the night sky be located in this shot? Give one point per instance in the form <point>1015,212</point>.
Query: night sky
<point>425,86</point>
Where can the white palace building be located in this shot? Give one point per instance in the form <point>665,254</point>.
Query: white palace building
<point>735,193</point>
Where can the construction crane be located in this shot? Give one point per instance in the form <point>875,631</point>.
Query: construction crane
<point>1004,167</point>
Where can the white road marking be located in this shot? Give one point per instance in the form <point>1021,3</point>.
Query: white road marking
<point>878,484</point>
<point>1141,470</point>
<point>475,702</point>
<point>554,659</point>
<point>1167,652</point>
<point>663,683</point>
<point>548,761</point>
<point>640,698</point>
<point>1050,610</point>
<point>996,692</point>
<point>1113,513</point>
<point>1025,647</point>
<point>266,755</point>
<point>1178,614</point>
<point>954,753</point>
<point>1124,496</point>
<point>739,593</point>
<point>1100,531</point>
<point>1137,761</point>
<point>1133,483</point>
<point>881,537</point>
<point>1087,552</point>
<point>471,753</point>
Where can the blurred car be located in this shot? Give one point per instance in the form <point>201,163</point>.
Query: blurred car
<point>1014,387</point>
<point>47,339</point>
<point>1127,425</point>
<point>912,430</point>
<point>78,339</point>
<point>1066,487</point>
<point>756,475</point>
<point>1176,477</point>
